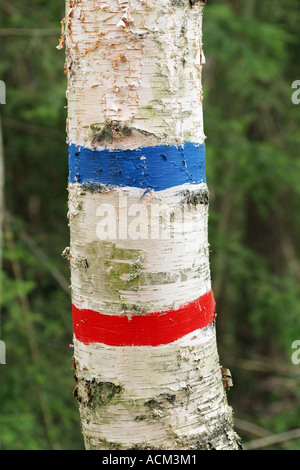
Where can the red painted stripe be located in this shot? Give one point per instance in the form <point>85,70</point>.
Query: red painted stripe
<point>152,329</point>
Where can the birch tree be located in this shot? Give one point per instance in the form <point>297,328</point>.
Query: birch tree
<point>146,363</point>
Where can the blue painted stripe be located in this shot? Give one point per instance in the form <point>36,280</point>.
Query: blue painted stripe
<point>159,167</point>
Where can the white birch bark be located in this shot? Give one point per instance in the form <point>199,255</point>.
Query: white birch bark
<point>134,80</point>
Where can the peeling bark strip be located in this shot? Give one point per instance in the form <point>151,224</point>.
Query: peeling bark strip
<point>157,167</point>
<point>137,62</point>
<point>146,330</point>
<point>146,364</point>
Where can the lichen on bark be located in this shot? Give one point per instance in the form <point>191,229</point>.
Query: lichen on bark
<point>134,80</point>
<point>108,132</point>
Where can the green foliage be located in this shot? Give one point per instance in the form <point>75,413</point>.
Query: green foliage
<point>38,410</point>
<point>253,167</point>
<point>253,172</point>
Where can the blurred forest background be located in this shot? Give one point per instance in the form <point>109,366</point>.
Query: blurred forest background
<point>253,170</point>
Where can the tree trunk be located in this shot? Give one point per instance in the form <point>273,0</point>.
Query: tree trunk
<point>145,355</point>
